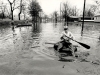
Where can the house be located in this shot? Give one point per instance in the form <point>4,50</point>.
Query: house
<point>97,18</point>
<point>86,19</point>
<point>80,19</point>
<point>73,18</point>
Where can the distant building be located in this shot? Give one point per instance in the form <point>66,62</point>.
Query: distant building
<point>87,19</point>
<point>74,18</point>
<point>80,19</point>
<point>97,18</point>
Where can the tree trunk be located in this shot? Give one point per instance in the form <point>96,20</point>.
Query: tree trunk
<point>56,19</point>
<point>24,16</point>
<point>12,15</point>
<point>20,9</point>
<point>11,11</point>
<point>3,15</point>
<point>19,16</point>
<point>65,18</point>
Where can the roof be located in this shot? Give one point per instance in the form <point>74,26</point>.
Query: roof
<point>74,16</point>
<point>96,15</point>
<point>80,17</point>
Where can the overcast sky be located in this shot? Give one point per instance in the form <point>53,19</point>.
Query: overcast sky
<point>49,6</point>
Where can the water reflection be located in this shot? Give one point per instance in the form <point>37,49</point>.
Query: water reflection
<point>4,30</point>
<point>50,32</point>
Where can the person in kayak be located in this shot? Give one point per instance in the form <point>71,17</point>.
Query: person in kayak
<point>65,42</point>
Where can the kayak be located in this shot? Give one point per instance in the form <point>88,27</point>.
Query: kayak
<point>64,52</point>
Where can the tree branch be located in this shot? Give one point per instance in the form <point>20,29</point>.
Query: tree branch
<point>16,8</point>
<point>21,6</point>
<point>13,1</point>
<point>9,2</point>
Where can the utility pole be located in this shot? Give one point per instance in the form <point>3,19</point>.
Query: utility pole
<point>83,18</point>
<point>60,12</point>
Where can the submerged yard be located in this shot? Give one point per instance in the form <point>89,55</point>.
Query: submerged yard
<point>24,51</point>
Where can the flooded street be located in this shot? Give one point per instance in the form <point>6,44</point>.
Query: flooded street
<point>24,51</point>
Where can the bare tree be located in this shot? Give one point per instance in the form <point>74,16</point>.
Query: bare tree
<point>97,7</point>
<point>66,11</point>
<point>24,5</point>
<point>13,7</point>
<point>90,10</point>
<point>24,11</point>
<point>2,7</point>
<point>55,16</point>
<point>74,11</point>
<point>22,8</point>
<point>52,17</point>
<point>93,9</point>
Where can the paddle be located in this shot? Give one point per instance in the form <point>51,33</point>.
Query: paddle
<point>82,44</point>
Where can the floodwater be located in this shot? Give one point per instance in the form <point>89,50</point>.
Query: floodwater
<point>47,32</point>
<point>24,50</point>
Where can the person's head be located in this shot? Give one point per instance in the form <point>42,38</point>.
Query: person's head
<point>66,28</point>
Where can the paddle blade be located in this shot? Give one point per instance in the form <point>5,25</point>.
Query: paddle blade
<point>84,45</point>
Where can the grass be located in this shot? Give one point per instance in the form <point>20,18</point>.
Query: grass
<point>7,22</point>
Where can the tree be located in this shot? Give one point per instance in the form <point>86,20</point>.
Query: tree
<point>34,9</point>
<point>55,16</point>
<point>20,10</point>
<point>46,18</point>
<point>13,7</point>
<point>97,6</point>
<point>66,11</point>
<point>2,7</point>
<point>2,15</point>
<point>90,10</point>
<point>24,11</point>
<point>74,11</point>
<point>88,13</point>
<point>93,9</point>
